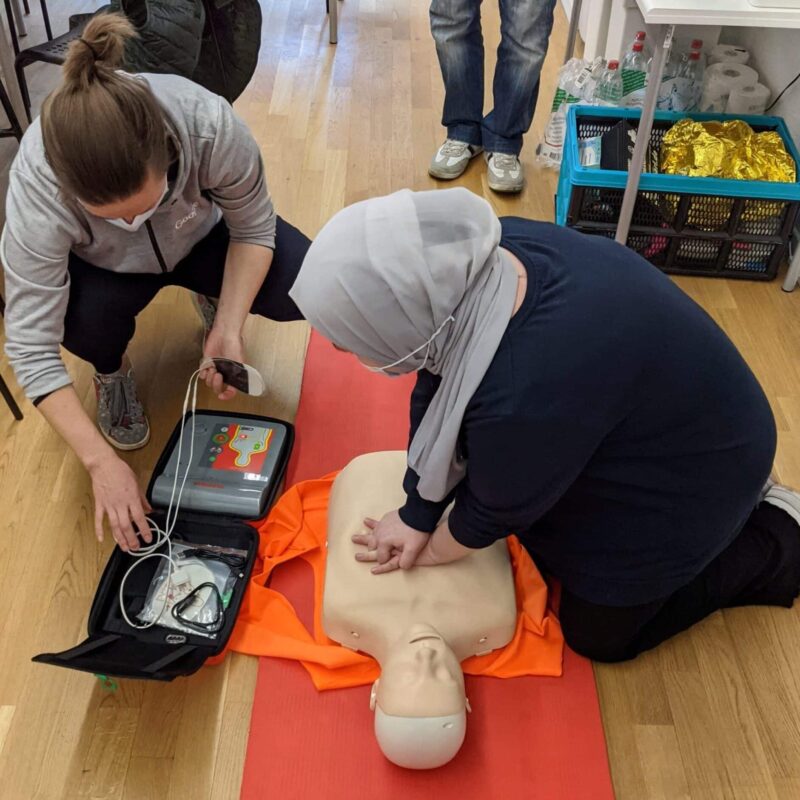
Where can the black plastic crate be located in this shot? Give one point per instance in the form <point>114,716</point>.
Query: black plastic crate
<point>724,228</point>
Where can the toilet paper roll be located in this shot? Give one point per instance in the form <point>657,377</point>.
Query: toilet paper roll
<point>748,99</point>
<point>728,53</point>
<point>720,80</point>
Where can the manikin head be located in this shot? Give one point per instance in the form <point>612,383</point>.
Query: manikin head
<point>419,702</point>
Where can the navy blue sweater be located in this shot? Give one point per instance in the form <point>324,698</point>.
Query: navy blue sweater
<point>617,432</point>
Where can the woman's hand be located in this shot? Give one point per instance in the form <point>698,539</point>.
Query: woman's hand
<point>117,496</point>
<point>221,344</point>
<point>391,543</point>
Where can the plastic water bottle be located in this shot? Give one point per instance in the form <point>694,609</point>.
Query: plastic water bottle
<point>697,45</point>
<point>692,74</point>
<point>634,73</point>
<point>609,87</point>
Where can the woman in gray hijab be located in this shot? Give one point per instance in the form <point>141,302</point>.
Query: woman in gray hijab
<point>569,393</point>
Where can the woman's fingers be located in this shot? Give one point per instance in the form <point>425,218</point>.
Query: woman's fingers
<point>369,555</point>
<point>390,566</point>
<point>370,523</point>
<point>137,515</point>
<point>99,517</point>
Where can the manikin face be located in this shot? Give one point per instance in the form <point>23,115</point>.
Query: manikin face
<point>421,677</point>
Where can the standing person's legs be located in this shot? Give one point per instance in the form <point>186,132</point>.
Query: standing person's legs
<point>456,29</point>
<point>525,27</point>
<point>760,567</point>
<point>203,269</point>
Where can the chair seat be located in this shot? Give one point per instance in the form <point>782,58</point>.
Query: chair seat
<point>53,52</point>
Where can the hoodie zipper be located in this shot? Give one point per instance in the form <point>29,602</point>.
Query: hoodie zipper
<point>156,250</point>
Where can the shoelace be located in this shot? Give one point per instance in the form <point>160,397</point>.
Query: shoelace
<point>120,396</point>
<point>453,147</point>
<point>504,160</point>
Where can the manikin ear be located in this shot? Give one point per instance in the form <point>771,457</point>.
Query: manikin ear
<point>469,707</point>
<point>373,696</point>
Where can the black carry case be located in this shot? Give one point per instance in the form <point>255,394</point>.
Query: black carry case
<point>113,648</point>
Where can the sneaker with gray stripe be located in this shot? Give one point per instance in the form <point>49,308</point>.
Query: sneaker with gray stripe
<point>120,415</point>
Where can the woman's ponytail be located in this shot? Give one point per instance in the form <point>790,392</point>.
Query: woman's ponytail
<point>99,50</point>
<point>103,130</point>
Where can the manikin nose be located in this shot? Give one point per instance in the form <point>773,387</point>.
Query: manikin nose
<point>426,656</point>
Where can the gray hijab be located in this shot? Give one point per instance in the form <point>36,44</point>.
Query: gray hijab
<point>384,277</point>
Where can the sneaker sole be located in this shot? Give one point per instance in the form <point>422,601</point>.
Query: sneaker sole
<point>125,447</point>
<point>446,176</point>
<point>504,188</point>
<point>785,500</point>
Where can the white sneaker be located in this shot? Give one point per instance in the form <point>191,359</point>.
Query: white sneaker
<point>504,172</point>
<point>452,158</point>
<point>785,499</point>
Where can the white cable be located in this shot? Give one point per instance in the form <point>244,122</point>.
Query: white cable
<point>164,536</point>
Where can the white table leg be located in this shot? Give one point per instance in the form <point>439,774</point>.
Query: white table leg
<point>10,75</point>
<point>793,275</point>
<point>574,19</point>
<point>333,20</point>
<point>663,42</point>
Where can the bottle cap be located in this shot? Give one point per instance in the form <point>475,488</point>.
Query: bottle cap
<point>697,44</point>
<point>638,47</point>
<point>640,36</point>
<point>613,64</point>
<point>694,55</point>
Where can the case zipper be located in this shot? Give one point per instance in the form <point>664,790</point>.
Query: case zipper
<point>156,250</point>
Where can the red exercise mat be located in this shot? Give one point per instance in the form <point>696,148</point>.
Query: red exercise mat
<point>526,738</point>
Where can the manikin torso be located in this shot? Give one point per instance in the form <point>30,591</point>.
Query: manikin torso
<point>420,623</point>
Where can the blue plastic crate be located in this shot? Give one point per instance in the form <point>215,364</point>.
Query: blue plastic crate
<point>685,225</point>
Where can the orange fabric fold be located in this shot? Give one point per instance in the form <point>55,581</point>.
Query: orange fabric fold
<point>268,624</point>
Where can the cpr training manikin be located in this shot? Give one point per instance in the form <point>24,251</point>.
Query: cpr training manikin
<point>419,624</point>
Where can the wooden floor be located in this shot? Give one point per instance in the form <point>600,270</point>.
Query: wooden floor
<point>713,714</point>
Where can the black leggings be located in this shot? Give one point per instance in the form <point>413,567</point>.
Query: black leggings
<point>103,305</point>
<point>761,567</point>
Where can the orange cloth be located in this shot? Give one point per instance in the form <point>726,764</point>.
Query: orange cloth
<point>269,626</point>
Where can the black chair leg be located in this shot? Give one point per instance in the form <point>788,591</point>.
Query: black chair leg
<point>19,68</point>
<point>15,126</point>
<point>26,6</point>
<point>46,17</point>
<point>12,27</point>
<point>9,398</point>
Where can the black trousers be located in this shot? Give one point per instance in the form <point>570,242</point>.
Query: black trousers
<point>761,567</point>
<point>103,305</point>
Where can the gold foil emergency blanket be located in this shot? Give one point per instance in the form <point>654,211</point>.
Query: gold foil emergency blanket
<point>730,149</point>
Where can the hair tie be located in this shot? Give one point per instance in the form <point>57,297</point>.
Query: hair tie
<point>91,49</point>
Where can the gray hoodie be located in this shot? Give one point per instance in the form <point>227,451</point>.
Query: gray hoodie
<point>219,175</point>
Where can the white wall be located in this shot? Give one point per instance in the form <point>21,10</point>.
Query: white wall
<point>775,54</point>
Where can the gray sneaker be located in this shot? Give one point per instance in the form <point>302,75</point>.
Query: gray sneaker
<point>504,172</point>
<point>207,309</point>
<point>452,158</point>
<point>120,415</point>
<point>785,499</point>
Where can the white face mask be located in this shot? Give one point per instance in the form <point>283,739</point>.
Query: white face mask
<point>140,219</point>
<point>412,353</point>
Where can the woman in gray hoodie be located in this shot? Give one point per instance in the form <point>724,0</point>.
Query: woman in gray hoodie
<point>126,184</point>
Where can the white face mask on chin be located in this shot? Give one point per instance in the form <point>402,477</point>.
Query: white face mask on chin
<point>139,219</point>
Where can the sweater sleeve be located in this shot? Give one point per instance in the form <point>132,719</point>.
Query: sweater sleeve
<point>236,182</point>
<point>35,250</point>
<point>419,513</point>
<point>517,469</point>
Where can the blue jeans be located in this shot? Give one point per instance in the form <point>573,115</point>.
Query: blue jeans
<point>525,28</point>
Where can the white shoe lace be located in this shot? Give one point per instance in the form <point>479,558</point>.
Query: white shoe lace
<point>504,161</point>
<point>452,147</point>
